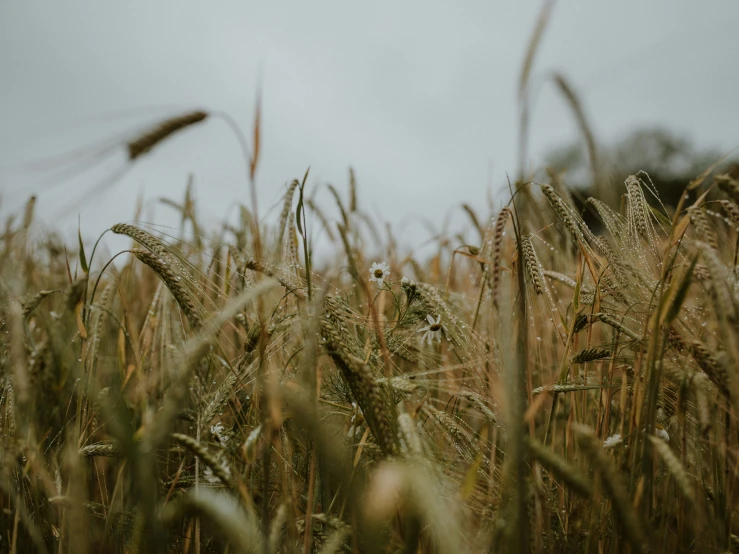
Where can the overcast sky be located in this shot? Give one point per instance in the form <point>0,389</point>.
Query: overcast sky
<point>419,97</point>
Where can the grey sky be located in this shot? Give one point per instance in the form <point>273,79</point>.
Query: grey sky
<point>419,97</point>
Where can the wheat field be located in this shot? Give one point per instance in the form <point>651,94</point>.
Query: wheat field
<point>541,389</point>
<point>536,384</point>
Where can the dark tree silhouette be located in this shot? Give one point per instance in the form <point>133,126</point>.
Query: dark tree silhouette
<point>670,161</point>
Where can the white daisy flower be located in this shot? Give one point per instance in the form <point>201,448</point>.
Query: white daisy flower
<point>379,273</point>
<point>432,330</point>
<point>219,433</point>
<point>613,440</point>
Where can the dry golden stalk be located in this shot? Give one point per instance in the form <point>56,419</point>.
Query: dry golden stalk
<point>276,528</point>
<point>719,277</point>
<point>533,267</point>
<point>703,228</point>
<point>700,273</point>
<point>181,293</point>
<point>729,185</point>
<point>638,209</point>
<point>219,469</point>
<point>732,210</point>
<point>702,403</point>
<point>613,288</point>
<point>352,191</point>
<point>399,384</point>
<point>706,360</point>
<point>563,212</point>
<point>560,278</point>
<point>613,486</point>
<point>570,388</point>
<point>613,322</point>
<point>225,391</point>
<point>361,382</point>
<point>292,245</point>
<point>105,449</point>
<point>409,435</point>
<point>605,247</point>
<point>450,424</point>
<point>259,267</point>
<point>33,302</point>
<point>286,211</point>
<point>97,329</point>
<point>144,238</point>
<point>143,144</point>
<point>611,219</point>
<point>589,355</point>
<point>561,468</point>
<point>121,523</point>
<point>481,405</point>
<point>673,465</point>
<point>500,223</point>
<point>710,365</point>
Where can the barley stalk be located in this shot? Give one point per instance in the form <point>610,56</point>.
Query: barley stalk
<point>105,449</point>
<point>589,355</point>
<point>286,211</point>
<point>500,224</point>
<point>732,210</point>
<point>360,381</point>
<point>563,212</point>
<point>673,465</point>
<point>561,468</point>
<point>703,227</point>
<point>219,469</point>
<point>729,185</point>
<point>531,262</point>
<point>570,388</point>
<point>143,144</point>
<point>613,486</point>
<point>174,283</point>
<point>638,209</point>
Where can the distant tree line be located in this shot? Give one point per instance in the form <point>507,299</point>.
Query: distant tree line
<point>670,161</point>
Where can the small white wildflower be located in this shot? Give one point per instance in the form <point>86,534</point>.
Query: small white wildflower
<point>661,433</point>
<point>613,440</point>
<point>219,433</point>
<point>379,273</point>
<point>432,330</point>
